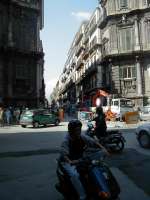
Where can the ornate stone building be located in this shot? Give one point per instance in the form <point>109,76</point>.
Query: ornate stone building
<point>112,53</point>
<point>21,53</point>
<point>125,27</point>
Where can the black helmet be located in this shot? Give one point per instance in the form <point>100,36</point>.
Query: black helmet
<point>74,124</point>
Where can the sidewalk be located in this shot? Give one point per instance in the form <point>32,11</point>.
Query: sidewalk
<point>123,125</point>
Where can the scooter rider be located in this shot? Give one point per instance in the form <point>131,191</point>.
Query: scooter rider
<point>72,150</point>
<point>101,127</point>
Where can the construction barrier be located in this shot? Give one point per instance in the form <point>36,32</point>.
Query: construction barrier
<point>132,117</point>
<point>61,115</point>
<point>110,116</point>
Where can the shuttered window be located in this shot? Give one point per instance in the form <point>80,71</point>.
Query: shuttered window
<point>126,39</point>
<point>113,38</point>
<point>144,2</point>
<point>146,34</point>
<point>127,72</point>
<point>148,31</point>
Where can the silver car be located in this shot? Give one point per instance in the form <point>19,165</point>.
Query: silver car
<point>143,135</point>
<point>145,113</point>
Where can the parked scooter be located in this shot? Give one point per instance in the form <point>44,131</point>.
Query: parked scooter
<point>103,186</point>
<point>113,141</point>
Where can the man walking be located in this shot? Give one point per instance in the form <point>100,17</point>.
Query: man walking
<point>1,116</point>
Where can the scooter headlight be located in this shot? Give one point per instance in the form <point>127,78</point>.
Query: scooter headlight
<point>95,162</point>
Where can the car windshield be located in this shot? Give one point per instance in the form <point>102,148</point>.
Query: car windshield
<point>126,103</point>
<point>145,109</point>
<point>29,113</point>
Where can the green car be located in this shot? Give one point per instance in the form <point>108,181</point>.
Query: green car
<point>38,117</point>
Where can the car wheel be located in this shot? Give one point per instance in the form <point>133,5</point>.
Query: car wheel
<point>23,126</point>
<point>57,122</point>
<point>35,124</point>
<point>144,139</point>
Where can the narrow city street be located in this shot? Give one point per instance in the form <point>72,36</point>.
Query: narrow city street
<point>28,164</point>
<point>88,60</point>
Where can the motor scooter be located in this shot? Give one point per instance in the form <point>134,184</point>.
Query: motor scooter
<point>113,141</point>
<point>95,175</point>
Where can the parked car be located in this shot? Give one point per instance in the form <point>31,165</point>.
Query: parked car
<point>143,135</point>
<point>145,113</point>
<point>37,117</point>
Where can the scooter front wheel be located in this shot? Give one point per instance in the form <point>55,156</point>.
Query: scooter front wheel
<point>118,145</point>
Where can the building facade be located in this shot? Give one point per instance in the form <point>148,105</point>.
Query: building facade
<point>112,53</point>
<point>21,53</point>
<point>125,47</point>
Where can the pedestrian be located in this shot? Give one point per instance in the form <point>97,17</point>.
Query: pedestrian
<point>16,115</point>
<point>1,116</point>
<point>8,116</point>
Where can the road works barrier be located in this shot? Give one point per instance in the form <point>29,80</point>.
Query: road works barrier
<point>132,117</point>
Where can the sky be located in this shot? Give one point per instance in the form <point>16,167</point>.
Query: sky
<point>62,20</point>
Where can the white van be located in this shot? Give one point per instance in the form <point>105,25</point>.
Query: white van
<point>120,106</point>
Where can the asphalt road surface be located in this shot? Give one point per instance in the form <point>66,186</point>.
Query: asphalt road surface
<point>28,164</point>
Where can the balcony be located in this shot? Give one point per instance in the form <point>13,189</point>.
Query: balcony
<point>72,65</point>
<point>79,49</point>
<point>105,48</point>
<point>80,63</point>
<point>102,20</point>
<point>78,81</point>
<point>40,46</point>
<point>69,84</point>
<point>86,37</point>
<point>94,46</point>
<point>91,69</point>
<point>92,28</point>
<point>85,53</point>
<point>78,37</point>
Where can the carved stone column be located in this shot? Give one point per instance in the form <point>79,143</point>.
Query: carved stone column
<point>109,75</point>
<point>10,79</point>
<point>139,77</point>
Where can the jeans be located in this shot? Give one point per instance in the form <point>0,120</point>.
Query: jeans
<point>98,177</point>
<point>75,179</point>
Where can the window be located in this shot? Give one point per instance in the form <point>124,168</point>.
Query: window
<point>145,2</point>
<point>127,72</point>
<point>126,39</point>
<point>93,21</point>
<point>22,72</point>
<point>123,3</point>
<point>147,31</point>
<point>113,38</point>
<point>93,42</point>
<point>116,103</point>
<point>148,70</point>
